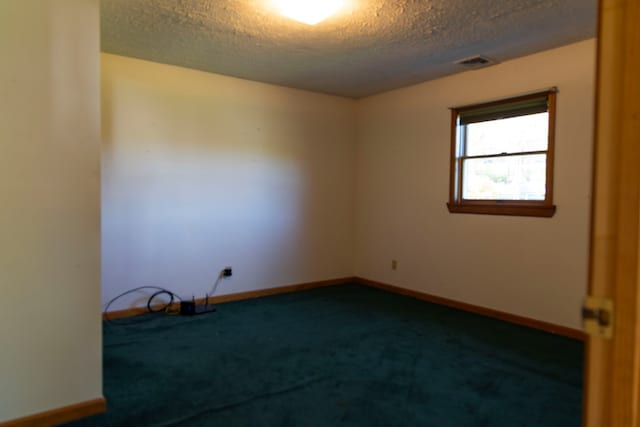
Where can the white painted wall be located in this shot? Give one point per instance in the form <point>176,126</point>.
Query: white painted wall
<point>50,328</point>
<point>532,267</point>
<point>202,171</point>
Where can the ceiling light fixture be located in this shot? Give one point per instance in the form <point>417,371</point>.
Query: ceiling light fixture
<point>309,12</point>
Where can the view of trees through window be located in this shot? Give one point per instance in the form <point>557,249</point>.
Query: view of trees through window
<point>506,159</point>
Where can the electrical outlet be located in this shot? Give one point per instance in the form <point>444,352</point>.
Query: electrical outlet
<point>227,272</point>
<point>394,264</point>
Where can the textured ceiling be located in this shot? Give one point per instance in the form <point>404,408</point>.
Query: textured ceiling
<point>371,47</point>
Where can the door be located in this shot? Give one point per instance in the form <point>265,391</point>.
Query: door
<point>612,369</point>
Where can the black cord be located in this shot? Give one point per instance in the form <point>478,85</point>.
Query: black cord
<point>215,285</point>
<point>150,309</point>
<point>159,291</point>
<point>165,307</point>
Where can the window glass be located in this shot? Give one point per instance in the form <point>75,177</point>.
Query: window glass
<point>512,135</point>
<point>520,177</point>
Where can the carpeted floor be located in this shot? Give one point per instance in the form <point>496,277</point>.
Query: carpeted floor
<point>340,356</point>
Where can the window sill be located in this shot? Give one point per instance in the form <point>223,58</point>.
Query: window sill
<point>502,209</point>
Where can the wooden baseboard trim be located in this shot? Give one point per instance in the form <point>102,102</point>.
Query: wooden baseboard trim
<point>279,290</point>
<point>496,314</point>
<point>119,314</point>
<point>61,415</point>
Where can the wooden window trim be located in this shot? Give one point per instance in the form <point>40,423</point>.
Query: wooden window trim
<point>542,208</point>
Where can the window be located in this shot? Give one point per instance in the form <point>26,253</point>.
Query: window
<point>502,157</point>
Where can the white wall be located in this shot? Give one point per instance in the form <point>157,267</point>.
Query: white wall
<point>532,267</point>
<point>202,171</point>
<point>50,336</point>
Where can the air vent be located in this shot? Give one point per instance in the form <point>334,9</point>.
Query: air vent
<point>475,61</point>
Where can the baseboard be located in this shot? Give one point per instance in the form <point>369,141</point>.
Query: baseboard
<point>278,290</point>
<point>121,314</point>
<point>136,311</point>
<point>61,415</point>
<point>496,314</point>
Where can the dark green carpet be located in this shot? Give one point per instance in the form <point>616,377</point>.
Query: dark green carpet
<point>340,356</point>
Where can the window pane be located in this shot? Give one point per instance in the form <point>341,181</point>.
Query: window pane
<point>520,177</point>
<point>513,135</point>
